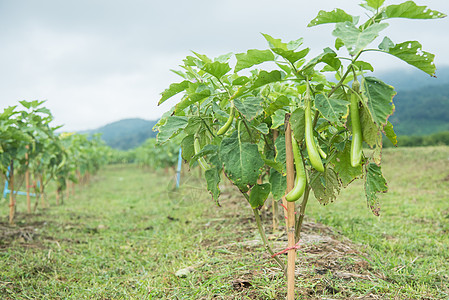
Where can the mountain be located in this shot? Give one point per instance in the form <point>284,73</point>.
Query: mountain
<point>126,134</point>
<point>412,79</point>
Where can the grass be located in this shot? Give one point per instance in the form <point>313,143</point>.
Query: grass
<point>127,233</point>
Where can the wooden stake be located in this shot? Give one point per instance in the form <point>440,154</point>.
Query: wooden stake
<point>290,212</point>
<point>27,182</point>
<point>274,202</point>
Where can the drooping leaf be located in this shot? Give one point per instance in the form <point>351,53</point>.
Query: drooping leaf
<point>297,122</point>
<point>249,107</point>
<point>280,157</point>
<point>187,147</point>
<point>356,39</point>
<point>171,127</point>
<point>386,44</point>
<point>325,185</point>
<point>287,50</point>
<point>411,52</point>
<point>370,131</point>
<point>374,183</point>
<point>410,10</point>
<point>241,160</point>
<point>262,128</point>
<point>390,134</point>
<point>213,179</point>
<point>336,16</point>
<point>328,57</point>
<point>278,184</point>
<point>343,167</point>
<point>259,193</point>
<point>217,69</point>
<point>363,65</point>
<point>174,88</point>
<point>252,57</point>
<point>379,97</point>
<point>332,109</point>
<point>278,119</point>
<point>274,165</point>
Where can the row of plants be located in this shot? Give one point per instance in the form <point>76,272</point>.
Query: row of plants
<point>31,152</point>
<point>435,139</point>
<point>261,126</point>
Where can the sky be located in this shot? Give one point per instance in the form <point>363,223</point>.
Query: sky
<point>99,61</point>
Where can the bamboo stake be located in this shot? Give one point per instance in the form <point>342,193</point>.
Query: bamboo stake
<point>27,183</point>
<point>12,201</point>
<point>290,212</point>
<point>274,201</point>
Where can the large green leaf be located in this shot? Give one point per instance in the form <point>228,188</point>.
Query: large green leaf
<point>249,107</point>
<point>252,57</point>
<point>259,193</point>
<point>411,52</point>
<point>410,10</point>
<point>216,69</point>
<point>173,89</point>
<point>343,167</point>
<point>355,39</point>
<point>298,123</point>
<point>171,127</point>
<point>213,179</point>
<point>379,97</point>
<point>278,184</point>
<point>336,16</point>
<point>241,160</point>
<point>325,185</point>
<point>287,50</point>
<point>265,77</point>
<point>374,183</point>
<point>280,102</point>
<point>187,147</point>
<point>328,57</point>
<point>375,3</point>
<point>332,109</point>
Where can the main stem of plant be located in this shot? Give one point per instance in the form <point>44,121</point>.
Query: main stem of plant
<point>11,194</point>
<point>290,213</point>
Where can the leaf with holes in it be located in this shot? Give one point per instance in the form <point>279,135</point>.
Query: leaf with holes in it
<point>379,96</point>
<point>252,57</point>
<point>390,134</point>
<point>374,183</point>
<point>325,185</point>
<point>333,110</point>
<point>410,10</point>
<point>173,89</point>
<point>172,126</point>
<point>355,39</point>
<point>259,193</point>
<point>411,52</point>
<point>336,16</point>
<point>242,161</point>
<point>249,107</point>
<point>343,167</point>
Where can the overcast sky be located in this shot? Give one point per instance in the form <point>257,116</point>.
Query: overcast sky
<point>97,62</point>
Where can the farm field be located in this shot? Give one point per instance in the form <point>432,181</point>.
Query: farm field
<point>130,235</point>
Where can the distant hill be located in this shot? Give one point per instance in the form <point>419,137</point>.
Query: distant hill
<point>412,79</point>
<point>126,134</point>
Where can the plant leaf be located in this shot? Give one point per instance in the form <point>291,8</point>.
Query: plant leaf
<point>332,109</point>
<point>375,3</point>
<point>411,52</point>
<point>336,16</point>
<point>171,127</point>
<point>213,179</point>
<point>172,90</point>
<point>278,184</point>
<point>379,97</point>
<point>390,134</point>
<point>410,10</point>
<point>242,161</point>
<point>343,167</point>
<point>252,57</point>
<point>325,185</point>
<point>259,193</point>
<point>374,183</point>
<point>217,69</point>
<point>249,107</point>
<point>280,102</point>
<point>297,122</point>
<point>355,39</point>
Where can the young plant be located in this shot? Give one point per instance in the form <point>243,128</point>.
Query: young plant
<point>235,114</point>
